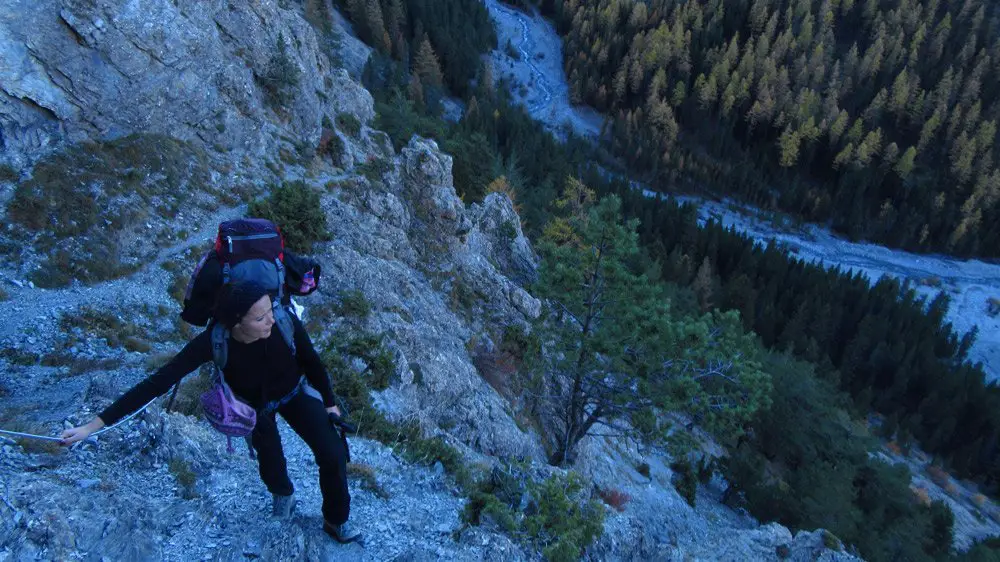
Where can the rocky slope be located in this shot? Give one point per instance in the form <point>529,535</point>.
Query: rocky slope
<point>442,278</point>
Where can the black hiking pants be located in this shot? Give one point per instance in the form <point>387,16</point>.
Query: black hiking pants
<point>308,418</point>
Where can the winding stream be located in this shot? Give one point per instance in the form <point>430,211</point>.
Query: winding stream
<point>526,47</point>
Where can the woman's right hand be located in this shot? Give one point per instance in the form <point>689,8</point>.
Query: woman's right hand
<point>80,432</point>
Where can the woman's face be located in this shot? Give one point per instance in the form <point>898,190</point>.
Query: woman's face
<point>257,322</point>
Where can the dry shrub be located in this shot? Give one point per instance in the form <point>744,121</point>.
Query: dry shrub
<point>188,399</point>
<point>922,496</point>
<point>938,475</point>
<point>614,498</point>
<point>993,305</point>
<point>496,367</point>
<point>11,419</point>
<point>932,281</point>
<point>951,488</point>
<point>365,475</point>
<point>979,500</point>
<point>501,185</point>
<point>893,448</point>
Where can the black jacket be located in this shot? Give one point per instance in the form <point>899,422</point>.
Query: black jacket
<point>257,372</point>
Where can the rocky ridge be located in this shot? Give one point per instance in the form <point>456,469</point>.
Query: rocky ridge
<point>161,486</point>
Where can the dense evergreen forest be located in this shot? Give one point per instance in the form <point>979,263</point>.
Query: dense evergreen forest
<point>879,117</point>
<point>832,346</point>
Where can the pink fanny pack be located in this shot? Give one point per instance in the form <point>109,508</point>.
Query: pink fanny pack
<point>226,413</point>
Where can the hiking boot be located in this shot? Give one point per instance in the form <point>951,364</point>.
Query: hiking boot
<point>343,533</point>
<point>282,506</point>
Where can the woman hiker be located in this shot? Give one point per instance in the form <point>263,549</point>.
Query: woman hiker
<point>261,369</point>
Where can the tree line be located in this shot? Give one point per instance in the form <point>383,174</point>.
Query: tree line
<point>440,41</point>
<point>880,118</point>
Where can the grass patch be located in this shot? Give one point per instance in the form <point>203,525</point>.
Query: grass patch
<point>188,399</point>
<point>186,478</point>
<point>10,420</point>
<point>78,202</point>
<point>20,357</point>
<point>112,329</point>
<point>295,208</point>
<point>365,475</point>
<point>375,168</point>
<point>348,123</point>
<point>75,365</point>
<point>8,174</point>
<point>353,304</point>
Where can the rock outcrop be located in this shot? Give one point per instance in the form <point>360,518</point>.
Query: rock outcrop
<point>199,71</point>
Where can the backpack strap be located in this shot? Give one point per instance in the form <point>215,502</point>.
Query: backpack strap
<point>220,347</point>
<point>281,278</point>
<point>283,319</point>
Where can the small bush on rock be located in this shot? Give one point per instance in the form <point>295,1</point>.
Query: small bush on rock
<point>331,145</point>
<point>354,304</point>
<point>349,123</point>
<point>560,519</point>
<point>181,469</point>
<point>614,498</point>
<point>295,208</point>
<point>831,541</point>
<point>406,437</point>
<point>685,480</point>
<point>280,78</point>
<point>374,169</point>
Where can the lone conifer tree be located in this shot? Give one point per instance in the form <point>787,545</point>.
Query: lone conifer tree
<point>612,350</point>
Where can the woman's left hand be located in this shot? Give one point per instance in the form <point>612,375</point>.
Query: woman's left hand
<point>333,410</point>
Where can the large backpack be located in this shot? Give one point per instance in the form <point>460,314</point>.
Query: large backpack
<point>248,249</point>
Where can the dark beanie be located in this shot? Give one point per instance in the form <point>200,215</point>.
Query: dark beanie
<point>235,299</point>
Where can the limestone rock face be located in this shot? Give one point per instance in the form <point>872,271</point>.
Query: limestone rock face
<point>400,237</point>
<point>427,179</point>
<point>87,70</point>
<point>497,235</point>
